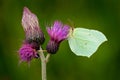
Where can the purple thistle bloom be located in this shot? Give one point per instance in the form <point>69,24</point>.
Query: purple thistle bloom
<point>34,36</point>
<point>27,53</point>
<point>31,27</point>
<point>58,32</point>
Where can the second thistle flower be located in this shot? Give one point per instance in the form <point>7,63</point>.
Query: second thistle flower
<point>58,32</point>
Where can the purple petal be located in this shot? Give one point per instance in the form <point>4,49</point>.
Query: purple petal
<point>58,31</point>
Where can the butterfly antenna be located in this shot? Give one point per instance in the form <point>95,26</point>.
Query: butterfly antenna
<point>71,23</point>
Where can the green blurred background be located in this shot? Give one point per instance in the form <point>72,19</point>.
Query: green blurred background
<point>102,15</point>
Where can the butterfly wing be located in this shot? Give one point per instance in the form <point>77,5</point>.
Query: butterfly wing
<point>84,42</point>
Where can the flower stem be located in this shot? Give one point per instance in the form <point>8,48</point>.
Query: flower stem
<point>43,65</point>
<point>47,57</point>
<point>44,61</point>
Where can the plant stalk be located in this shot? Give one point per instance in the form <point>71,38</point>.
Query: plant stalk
<point>43,64</point>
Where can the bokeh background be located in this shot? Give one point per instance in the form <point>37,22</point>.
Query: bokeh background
<point>102,15</point>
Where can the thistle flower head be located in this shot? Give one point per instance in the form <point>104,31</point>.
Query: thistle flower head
<point>27,53</point>
<point>31,27</point>
<point>58,32</point>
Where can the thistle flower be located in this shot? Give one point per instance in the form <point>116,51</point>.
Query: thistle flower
<point>27,53</point>
<point>34,36</point>
<point>58,32</point>
<point>31,27</point>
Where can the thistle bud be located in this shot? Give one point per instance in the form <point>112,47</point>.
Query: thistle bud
<point>52,47</point>
<point>31,27</point>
